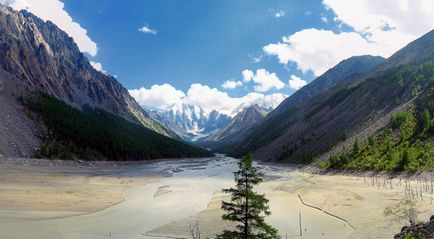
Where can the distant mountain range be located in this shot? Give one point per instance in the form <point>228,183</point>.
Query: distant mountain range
<point>234,130</point>
<point>194,124</point>
<point>36,56</point>
<point>190,122</point>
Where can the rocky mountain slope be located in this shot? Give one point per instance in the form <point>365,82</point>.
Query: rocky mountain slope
<point>190,122</point>
<point>19,135</point>
<point>36,56</point>
<point>45,58</point>
<point>233,131</point>
<point>352,67</point>
<point>356,103</point>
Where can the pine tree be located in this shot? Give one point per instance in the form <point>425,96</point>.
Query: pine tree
<point>356,146</point>
<point>371,140</point>
<point>427,124</point>
<point>247,208</point>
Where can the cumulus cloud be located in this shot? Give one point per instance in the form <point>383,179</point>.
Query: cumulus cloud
<point>411,18</point>
<point>247,75</point>
<point>164,96</point>
<point>208,98</point>
<point>158,96</point>
<point>148,30</point>
<point>374,24</point>
<point>231,84</point>
<point>309,53</point>
<point>97,66</point>
<point>270,101</point>
<point>296,82</point>
<point>212,99</point>
<point>53,10</point>
<point>263,80</point>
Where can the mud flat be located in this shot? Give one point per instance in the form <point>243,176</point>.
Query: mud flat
<point>50,199</point>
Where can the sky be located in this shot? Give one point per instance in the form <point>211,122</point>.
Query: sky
<point>223,53</point>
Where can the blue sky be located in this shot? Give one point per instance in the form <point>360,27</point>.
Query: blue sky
<point>205,42</point>
<point>225,53</point>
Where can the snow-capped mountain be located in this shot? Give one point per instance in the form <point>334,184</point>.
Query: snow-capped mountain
<point>190,122</point>
<point>235,129</point>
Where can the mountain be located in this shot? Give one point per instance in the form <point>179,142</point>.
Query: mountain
<point>190,121</point>
<point>36,56</point>
<point>233,131</point>
<point>351,67</point>
<point>356,106</point>
<point>45,58</point>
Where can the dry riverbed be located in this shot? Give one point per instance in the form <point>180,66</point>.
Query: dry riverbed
<point>58,199</point>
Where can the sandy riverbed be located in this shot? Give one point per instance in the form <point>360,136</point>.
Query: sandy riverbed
<point>39,200</point>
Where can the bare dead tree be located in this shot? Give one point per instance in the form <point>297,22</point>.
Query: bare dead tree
<point>194,230</point>
<point>405,210</point>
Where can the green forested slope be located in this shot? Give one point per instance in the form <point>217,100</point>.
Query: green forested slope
<point>95,132</point>
<point>407,142</point>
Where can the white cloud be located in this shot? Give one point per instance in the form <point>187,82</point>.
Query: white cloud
<point>97,66</point>
<point>324,19</point>
<point>208,98</point>
<point>146,29</point>
<point>212,99</point>
<point>158,96</point>
<point>231,84</point>
<point>296,82</point>
<point>270,101</point>
<point>54,11</point>
<point>309,53</point>
<point>263,80</point>
<point>257,59</point>
<point>279,14</point>
<point>247,75</point>
<point>164,96</point>
<point>411,18</point>
<point>380,28</point>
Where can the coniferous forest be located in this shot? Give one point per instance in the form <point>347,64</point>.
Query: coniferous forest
<point>96,133</point>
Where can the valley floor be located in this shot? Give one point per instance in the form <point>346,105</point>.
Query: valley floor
<point>159,199</point>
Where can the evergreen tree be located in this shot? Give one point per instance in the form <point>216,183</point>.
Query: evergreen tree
<point>405,159</point>
<point>356,146</point>
<point>427,124</point>
<point>371,140</point>
<point>247,208</point>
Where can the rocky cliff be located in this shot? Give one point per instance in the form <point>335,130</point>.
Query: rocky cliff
<point>36,56</point>
<point>44,58</point>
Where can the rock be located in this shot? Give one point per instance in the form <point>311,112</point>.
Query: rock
<point>37,56</point>
<point>426,230</point>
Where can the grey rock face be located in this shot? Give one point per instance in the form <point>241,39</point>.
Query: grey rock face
<point>44,58</point>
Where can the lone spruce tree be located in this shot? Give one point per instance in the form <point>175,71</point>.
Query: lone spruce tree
<point>247,208</point>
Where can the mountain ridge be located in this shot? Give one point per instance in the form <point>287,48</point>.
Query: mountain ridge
<point>37,58</point>
<point>226,135</point>
<point>48,60</point>
<point>351,67</point>
<point>190,122</point>
<point>353,103</point>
